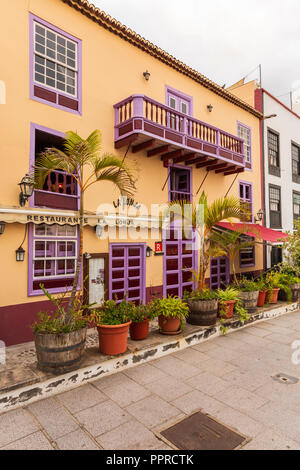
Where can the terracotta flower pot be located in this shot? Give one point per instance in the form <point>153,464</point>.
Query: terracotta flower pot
<point>169,326</point>
<point>139,330</point>
<point>113,338</point>
<point>273,296</point>
<point>261,298</point>
<point>227,306</point>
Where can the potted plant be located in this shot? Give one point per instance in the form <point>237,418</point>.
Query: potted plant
<point>112,322</point>
<point>248,294</point>
<point>263,290</point>
<point>203,307</point>
<point>78,155</point>
<point>141,315</point>
<point>275,282</point>
<point>227,300</point>
<point>171,312</point>
<point>293,282</point>
<point>60,335</point>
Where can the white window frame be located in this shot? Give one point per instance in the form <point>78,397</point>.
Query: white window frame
<point>247,146</point>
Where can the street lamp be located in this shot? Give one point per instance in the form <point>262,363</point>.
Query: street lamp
<point>2,227</point>
<point>26,187</point>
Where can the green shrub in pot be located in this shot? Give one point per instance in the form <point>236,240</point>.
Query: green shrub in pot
<point>171,312</point>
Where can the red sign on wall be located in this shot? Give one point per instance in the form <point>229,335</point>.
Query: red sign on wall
<point>158,247</point>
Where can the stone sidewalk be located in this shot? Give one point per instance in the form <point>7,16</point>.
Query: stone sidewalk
<point>230,378</point>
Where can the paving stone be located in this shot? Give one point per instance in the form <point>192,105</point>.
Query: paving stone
<point>205,346</point>
<point>35,441</point>
<point>241,399</point>
<point>195,401</point>
<point>192,356</point>
<point>282,339</point>
<point>228,341</point>
<point>168,388</point>
<point>44,406</point>
<point>81,398</point>
<point>248,379</point>
<point>16,377</point>
<point>152,411</point>
<point>222,354</point>
<point>208,383</point>
<point>175,367</point>
<point>129,436</point>
<point>102,418</point>
<point>271,440</point>
<point>126,393</point>
<point>57,422</point>
<point>257,331</point>
<point>76,440</point>
<point>218,367</point>
<point>239,421</point>
<point>111,380</point>
<point>15,425</point>
<point>144,374</point>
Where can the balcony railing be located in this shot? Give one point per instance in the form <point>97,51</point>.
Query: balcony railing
<point>60,191</point>
<point>139,115</point>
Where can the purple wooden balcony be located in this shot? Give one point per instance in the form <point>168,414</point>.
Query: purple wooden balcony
<point>60,191</point>
<point>160,130</point>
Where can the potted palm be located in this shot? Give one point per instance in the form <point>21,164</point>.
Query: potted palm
<point>227,300</point>
<point>171,312</point>
<point>202,218</point>
<point>112,322</point>
<point>203,307</point>
<point>141,315</point>
<point>79,155</point>
<point>248,294</point>
<point>263,290</point>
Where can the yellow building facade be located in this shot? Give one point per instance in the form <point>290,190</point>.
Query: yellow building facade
<point>69,66</point>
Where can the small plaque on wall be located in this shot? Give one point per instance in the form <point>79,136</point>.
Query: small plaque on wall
<point>159,249</point>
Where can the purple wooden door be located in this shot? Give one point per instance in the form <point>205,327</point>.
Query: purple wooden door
<point>219,272</point>
<point>179,258</point>
<point>127,272</point>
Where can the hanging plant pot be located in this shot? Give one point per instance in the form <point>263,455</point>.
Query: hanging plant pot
<point>60,353</point>
<point>169,326</point>
<point>273,296</point>
<point>226,308</point>
<point>113,338</point>
<point>249,299</point>
<point>261,298</point>
<point>139,330</point>
<point>202,312</point>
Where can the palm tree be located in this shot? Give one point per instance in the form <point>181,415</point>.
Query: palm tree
<point>202,217</point>
<point>230,241</point>
<point>80,155</point>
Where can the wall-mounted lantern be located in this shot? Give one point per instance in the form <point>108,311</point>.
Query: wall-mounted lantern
<point>20,254</point>
<point>2,227</point>
<point>259,216</point>
<point>26,187</point>
<point>210,107</point>
<point>147,75</point>
<point>148,251</point>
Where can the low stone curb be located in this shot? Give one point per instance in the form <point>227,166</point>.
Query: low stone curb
<point>18,396</point>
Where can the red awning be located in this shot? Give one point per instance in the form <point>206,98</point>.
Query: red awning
<point>264,233</point>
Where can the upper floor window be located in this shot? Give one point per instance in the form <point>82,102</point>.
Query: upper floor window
<point>180,185</point>
<point>246,201</point>
<point>275,206</point>
<point>296,205</point>
<point>273,153</point>
<point>296,163</point>
<point>55,66</point>
<point>247,253</point>
<point>181,103</point>
<point>244,133</point>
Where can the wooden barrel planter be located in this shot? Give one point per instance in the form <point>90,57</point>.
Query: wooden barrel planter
<point>249,300</point>
<point>60,353</point>
<point>295,288</point>
<point>202,312</point>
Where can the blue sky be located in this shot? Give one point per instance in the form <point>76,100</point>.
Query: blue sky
<point>224,40</point>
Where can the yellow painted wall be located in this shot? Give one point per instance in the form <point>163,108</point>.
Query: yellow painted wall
<point>244,91</point>
<point>112,70</point>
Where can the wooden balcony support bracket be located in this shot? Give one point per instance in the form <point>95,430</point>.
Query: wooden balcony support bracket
<point>126,141</point>
<point>143,146</point>
<point>232,172</point>
<point>185,158</point>
<point>158,151</point>
<point>218,166</point>
<point>202,163</point>
<point>172,155</point>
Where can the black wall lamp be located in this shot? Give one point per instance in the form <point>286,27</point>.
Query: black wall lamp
<point>210,107</point>
<point>147,75</point>
<point>26,187</point>
<point>259,216</point>
<point>2,227</point>
<point>20,254</point>
<point>148,251</point>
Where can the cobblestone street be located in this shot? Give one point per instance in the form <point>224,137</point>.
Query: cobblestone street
<point>231,378</point>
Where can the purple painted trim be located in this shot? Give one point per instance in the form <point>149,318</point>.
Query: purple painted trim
<point>31,291</point>
<point>143,267</point>
<point>247,183</point>
<point>33,128</point>
<point>250,138</point>
<point>33,18</point>
<point>169,91</point>
<point>182,167</point>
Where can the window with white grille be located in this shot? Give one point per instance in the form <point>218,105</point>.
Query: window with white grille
<point>55,60</point>
<point>244,133</point>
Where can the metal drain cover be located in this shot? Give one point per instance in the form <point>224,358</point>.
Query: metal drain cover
<point>200,432</point>
<point>285,379</point>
